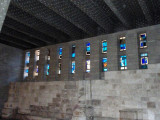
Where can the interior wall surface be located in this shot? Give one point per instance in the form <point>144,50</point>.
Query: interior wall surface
<point>10,69</point>
<point>134,92</point>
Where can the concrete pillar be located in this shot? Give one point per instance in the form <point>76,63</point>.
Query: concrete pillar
<point>54,63</point>
<point>31,65</point>
<point>112,52</point>
<point>65,62</point>
<point>95,58</point>
<point>132,50</point>
<point>4,4</point>
<point>80,60</point>
<point>42,64</point>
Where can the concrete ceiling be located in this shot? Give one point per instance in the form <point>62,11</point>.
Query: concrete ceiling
<point>36,23</point>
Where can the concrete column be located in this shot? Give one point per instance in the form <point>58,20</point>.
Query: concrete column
<point>31,65</point>
<point>153,43</point>
<point>65,62</point>
<point>42,64</point>
<point>132,50</point>
<point>80,60</point>
<point>112,52</point>
<point>4,4</point>
<point>54,63</point>
<point>95,58</point>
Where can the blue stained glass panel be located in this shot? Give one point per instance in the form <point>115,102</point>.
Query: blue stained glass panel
<point>144,54</point>
<point>37,70</point>
<point>88,44</point>
<point>73,55</point>
<point>144,61</point>
<point>143,36</point>
<point>60,51</point>
<point>27,70</point>
<point>123,46</point>
<point>28,54</point>
<point>104,43</point>
<point>73,67</point>
<point>88,49</point>
<point>123,61</point>
<point>48,66</point>
<point>104,60</point>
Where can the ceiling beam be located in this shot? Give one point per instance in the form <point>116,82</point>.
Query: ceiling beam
<point>146,11</point>
<point>111,5</point>
<point>11,23</point>
<point>13,33</point>
<point>73,15</point>
<point>22,17</point>
<point>12,44</point>
<point>95,13</point>
<point>48,16</point>
<point>16,41</point>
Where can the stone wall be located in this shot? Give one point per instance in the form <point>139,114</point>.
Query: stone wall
<point>132,94</point>
<point>10,69</point>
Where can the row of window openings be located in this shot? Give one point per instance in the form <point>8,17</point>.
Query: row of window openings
<point>123,59</point>
<point>142,41</point>
<point>123,64</point>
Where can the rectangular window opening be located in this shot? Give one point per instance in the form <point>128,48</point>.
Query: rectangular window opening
<point>48,69</point>
<point>144,60</point>
<point>143,40</point>
<point>60,53</point>
<point>123,62</point>
<point>104,46</point>
<point>73,67</point>
<point>59,68</point>
<point>122,43</point>
<point>88,66</point>
<point>37,54</point>
<point>104,65</point>
<point>73,51</point>
<point>88,48</point>
<point>26,69</point>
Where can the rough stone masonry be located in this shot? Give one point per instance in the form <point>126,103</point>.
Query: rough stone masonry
<point>129,95</point>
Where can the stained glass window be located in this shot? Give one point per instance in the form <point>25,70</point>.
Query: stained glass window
<point>60,53</point>
<point>26,69</point>
<point>104,46</point>
<point>59,68</point>
<point>48,63</point>
<point>73,67</point>
<point>37,54</point>
<point>88,48</point>
<point>104,64</point>
<point>143,40</point>
<point>47,69</point>
<point>73,51</point>
<point>144,60</point>
<point>88,66</point>
<point>123,62</point>
<point>122,43</point>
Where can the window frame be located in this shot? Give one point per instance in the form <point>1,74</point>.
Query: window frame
<point>103,66</point>
<point>143,41</point>
<point>104,46</point>
<point>144,65</point>
<point>60,52</point>
<point>123,39</point>
<point>73,51</point>
<point>88,66</point>
<point>73,70</point>
<point>88,46</point>
<point>124,67</point>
